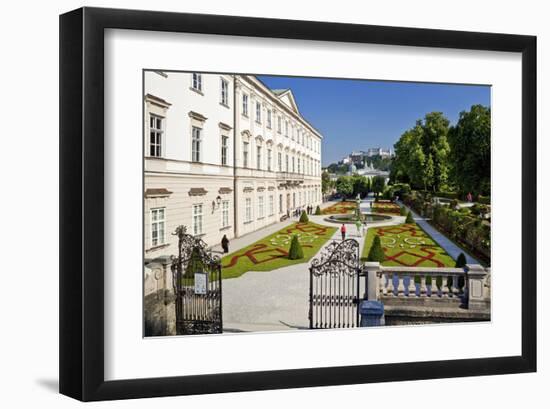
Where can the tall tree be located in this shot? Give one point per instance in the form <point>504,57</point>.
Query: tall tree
<point>378,185</point>
<point>470,142</point>
<point>344,186</point>
<point>326,183</point>
<point>436,129</point>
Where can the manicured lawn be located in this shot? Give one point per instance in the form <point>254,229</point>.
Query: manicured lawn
<point>271,252</point>
<point>408,245</point>
<point>340,208</point>
<point>386,208</point>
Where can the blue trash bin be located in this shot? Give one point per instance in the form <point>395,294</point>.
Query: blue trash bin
<point>372,314</point>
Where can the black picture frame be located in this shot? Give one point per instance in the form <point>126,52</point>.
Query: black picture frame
<point>82,200</point>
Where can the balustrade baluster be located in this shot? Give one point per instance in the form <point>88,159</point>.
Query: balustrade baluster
<point>390,290</point>
<point>455,289</point>
<point>423,290</point>
<point>445,287</point>
<point>412,286</point>
<point>400,285</point>
<point>435,290</point>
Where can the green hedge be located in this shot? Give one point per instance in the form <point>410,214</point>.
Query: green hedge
<point>486,200</point>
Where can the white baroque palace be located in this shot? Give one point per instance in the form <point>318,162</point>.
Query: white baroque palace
<point>224,154</point>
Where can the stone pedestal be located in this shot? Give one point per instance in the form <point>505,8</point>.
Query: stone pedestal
<point>372,270</point>
<point>478,294</point>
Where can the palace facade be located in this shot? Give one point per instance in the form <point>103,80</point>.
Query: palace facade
<point>224,154</point>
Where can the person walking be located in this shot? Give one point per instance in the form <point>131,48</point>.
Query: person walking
<point>225,244</point>
<point>469,197</point>
<point>343,231</point>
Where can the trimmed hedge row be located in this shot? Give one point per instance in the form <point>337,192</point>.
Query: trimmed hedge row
<point>470,231</point>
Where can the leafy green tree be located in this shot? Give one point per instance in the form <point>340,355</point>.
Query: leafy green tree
<point>470,143</point>
<point>344,186</point>
<point>295,252</point>
<point>409,158</point>
<point>429,173</point>
<point>326,183</point>
<point>435,130</point>
<point>378,185</point>
<point>360,185</point>
<point>376,253</point>
<point>303,217</point>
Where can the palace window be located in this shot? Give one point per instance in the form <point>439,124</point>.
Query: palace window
<point>248,209</point>
<point>225,213</point>
<point>286,160</point>
<point>269,118</point>
<point>245,154</point>
<point>258,157</point>
<point>286,129</point>
<point>279,161</point>
<point>197,82</point>
<point>197,219</point>
<point>225,140</point>
<point>260,207</point>
<point>271,206</point>
<point>258,112</point>
<point>293,164</point>
<point>299,165</point>
<point>245,105</point>
<point>158,223</point>
<point>224,97</point>
<point>196,145</point>
<point>269,160</point>
<point>280,203</point>
<point>155,135</point>
<point>279,124</point>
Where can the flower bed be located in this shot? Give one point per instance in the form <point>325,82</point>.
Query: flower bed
<point>408,245</point>
<point>271,252</point>
<point>340,208</point>
<point>386,207</point>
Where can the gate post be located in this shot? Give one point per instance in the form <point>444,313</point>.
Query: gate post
<point>372,269</point>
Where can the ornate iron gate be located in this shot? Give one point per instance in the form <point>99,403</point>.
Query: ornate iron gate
<point>197,279</point>
<point>334,286</point>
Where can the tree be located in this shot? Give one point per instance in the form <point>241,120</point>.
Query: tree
<point>378,185</point>
<point>326,183</point>
<point>412,164</point>
<point>295,252</point>
<point>360,185</point>
<point>317,211</point>
<point>470,151</point>
<point>409,219</point>
<point>303,217</point>
<point>429,172</point>
<point>344,186</point>
<point>409,157</point>
<point>376,253</point>
<point>435,130</point>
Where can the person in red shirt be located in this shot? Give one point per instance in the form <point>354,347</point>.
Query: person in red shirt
<point>343,231</point>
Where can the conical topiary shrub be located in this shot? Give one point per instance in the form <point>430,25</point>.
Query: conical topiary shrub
<point>295,252</point>
<point>318,211</point>
<point>376,253</point>
<point>303,217</point>
<point>461,263</point>
<point>409,219</point>
<point>403,211</point>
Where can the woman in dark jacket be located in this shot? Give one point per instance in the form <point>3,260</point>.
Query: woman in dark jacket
<point>225,244</point>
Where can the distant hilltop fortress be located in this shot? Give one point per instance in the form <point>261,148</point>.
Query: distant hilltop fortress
<point>358,158</point>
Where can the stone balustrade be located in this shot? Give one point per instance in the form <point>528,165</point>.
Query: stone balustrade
<point>385,283</point>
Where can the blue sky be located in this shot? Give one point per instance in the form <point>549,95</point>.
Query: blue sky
<point>359,114</point>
